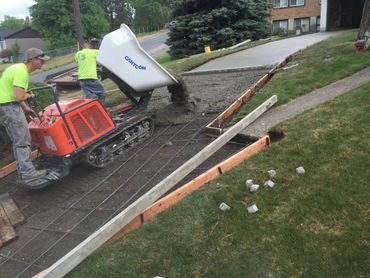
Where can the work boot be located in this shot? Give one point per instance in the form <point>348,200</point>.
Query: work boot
<point>35,175</point>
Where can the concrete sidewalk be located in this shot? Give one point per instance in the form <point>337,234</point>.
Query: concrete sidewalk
<point>301,104</point>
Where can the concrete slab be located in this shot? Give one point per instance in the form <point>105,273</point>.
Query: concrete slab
<point>266,54</point>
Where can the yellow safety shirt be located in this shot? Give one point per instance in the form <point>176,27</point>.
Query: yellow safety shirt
<point>14,76</point>
<point>86,61</point>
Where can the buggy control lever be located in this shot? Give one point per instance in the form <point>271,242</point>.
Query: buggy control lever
<point>32,103</point>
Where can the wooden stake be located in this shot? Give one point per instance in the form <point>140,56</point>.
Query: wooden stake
<point>215,127</point>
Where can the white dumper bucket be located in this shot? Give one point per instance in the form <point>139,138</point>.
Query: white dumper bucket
<point>121,53</point>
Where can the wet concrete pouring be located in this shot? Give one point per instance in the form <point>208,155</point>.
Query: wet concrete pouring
<point>62,215</point>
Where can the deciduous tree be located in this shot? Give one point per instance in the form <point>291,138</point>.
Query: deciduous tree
<point>151,15</point>
<point>118,12</point>
<point>54,20</point>
<point>11,22</point>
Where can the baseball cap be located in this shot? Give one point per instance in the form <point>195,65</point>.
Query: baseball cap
<point>36,53</point>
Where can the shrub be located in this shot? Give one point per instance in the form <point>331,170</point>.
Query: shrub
<point>6,54</point>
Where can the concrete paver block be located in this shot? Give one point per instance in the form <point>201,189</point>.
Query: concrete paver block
<point>272,173</point>
<point>300,170</point>
<point>269,184</point>
<point>224,207</point>
<point>254,187</point>
<point>248,183</point>
<point>252,209</point>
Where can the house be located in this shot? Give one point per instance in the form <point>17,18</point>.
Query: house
<point>315,15</point>
<point>26,38</point>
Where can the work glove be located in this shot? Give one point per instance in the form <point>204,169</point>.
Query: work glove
<point>30,113</point>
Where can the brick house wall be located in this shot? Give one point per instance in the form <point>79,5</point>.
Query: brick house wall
<point>309,12</point>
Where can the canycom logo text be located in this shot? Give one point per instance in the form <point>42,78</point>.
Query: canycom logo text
<point>136,66</point>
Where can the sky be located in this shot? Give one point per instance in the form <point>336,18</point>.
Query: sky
<point>15,8</point>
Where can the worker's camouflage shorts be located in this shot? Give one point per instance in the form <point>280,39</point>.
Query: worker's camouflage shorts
<point>16,126</point>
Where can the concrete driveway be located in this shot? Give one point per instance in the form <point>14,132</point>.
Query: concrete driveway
<point>266,54</point>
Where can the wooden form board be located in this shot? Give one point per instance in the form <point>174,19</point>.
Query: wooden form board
<point>115,225</point>
<point>10,217</point>
<point>215,127</point>
<point>10,168</point>
<point>204,178</point>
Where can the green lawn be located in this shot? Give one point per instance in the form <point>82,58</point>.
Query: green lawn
<point>319,65</point>
<point>311,225</point>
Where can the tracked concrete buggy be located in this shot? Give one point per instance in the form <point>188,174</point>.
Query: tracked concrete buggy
<point>82,129</point>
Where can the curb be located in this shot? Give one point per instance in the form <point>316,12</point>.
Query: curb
<point>200,72</point>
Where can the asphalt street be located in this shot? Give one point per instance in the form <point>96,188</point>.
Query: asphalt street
<point>155,45</point>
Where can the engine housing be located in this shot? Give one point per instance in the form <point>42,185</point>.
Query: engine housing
<point>86,121</point>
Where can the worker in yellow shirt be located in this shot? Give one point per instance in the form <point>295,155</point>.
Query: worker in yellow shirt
<point>13,107</point>
<point>87,75</point>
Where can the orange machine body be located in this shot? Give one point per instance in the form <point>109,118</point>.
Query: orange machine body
<point>86,121</point>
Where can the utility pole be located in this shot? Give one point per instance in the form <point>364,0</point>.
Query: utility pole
<point>363,32</point>
<point>77,14</point>
<point>365,19</point>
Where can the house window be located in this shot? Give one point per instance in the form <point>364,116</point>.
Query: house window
<point>279,24</point>
<point>280,3</point>
<point>287,3</point>
<point>293,3</point>
<point>302,24</point>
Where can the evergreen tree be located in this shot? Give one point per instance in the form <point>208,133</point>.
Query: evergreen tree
<point>54,19</point>
<point>216,23</point>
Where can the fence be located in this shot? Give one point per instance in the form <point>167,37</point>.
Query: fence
<point>62,51</point>
<point>51,53</point>
<point>72,49</point>
<point>146,30</point>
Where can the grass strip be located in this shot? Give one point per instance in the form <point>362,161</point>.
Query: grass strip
<point>319,65</point>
